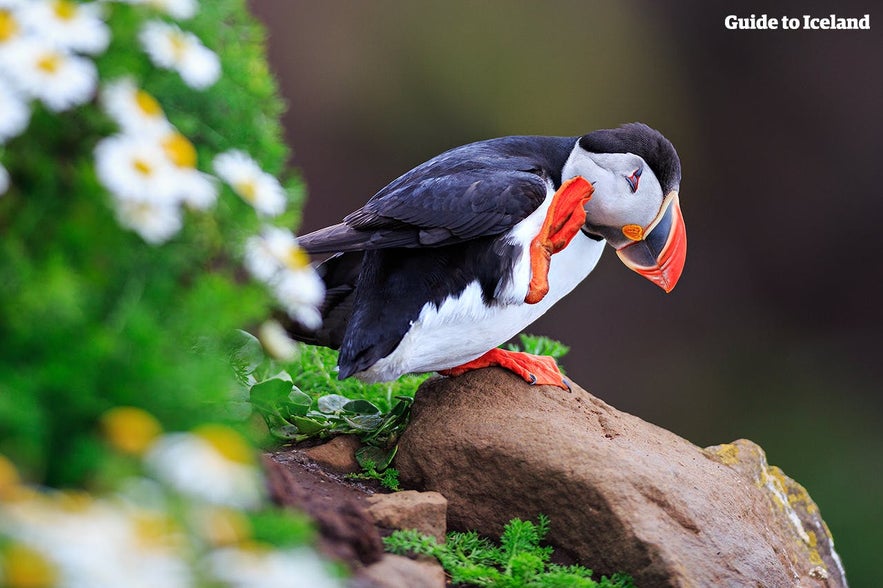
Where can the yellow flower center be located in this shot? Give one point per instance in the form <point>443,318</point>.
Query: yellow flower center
<point>225,526</point>
<point>227,442</point>
<point>179,150</point>
<point>179,45</point>
<point>147,104</point>
<point>64,9</point>
<point>129,429</point>
<point>155,531</point>
<point>24,567</point>
<point>9,478</point>
<point>49,63</point>
<point>142,167</point>
<point>247,189</point>
<point>296,258</point>
<point>74,501</point>
<point>8,26</point>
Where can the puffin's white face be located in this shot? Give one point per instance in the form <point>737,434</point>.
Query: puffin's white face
<point>627,191</point>
<point>629,210</point>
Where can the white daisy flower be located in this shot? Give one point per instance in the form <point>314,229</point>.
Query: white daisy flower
<point>4,180</point>
<point>276,342</point>
<point>171,48</point>
<point>253,184</point>
<point>301,292</point>
<point>136,168</point>
<point>16,114</point>
<point>59,79</point>
<point>81,541</point>
<point>180,9</point>
<point>271,252</point>
<point>155,222</point>
<point>68,25</point>
<point>199,191</point>
<point>275,258</point>
<point>292,568</point>
<point>10,26</point>
<point>133,109</point>
<point>194,188</point>
<point>213,464</point>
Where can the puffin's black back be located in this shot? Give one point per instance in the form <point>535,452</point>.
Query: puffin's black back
<point>377,287</point>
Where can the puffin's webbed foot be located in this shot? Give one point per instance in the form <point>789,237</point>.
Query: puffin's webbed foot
<point>537,370</point>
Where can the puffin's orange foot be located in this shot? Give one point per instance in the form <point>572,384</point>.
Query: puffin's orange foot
<point>537,370</point>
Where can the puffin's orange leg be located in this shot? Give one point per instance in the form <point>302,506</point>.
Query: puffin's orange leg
<point>563,221</point>
<point>535,369</point>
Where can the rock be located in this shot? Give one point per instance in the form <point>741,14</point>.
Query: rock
<point>396,571</point>
<point>409,509</point>
<point>338,455</point>
<point>346,531</point>
<point>808,532</point>
<point>621,494</point>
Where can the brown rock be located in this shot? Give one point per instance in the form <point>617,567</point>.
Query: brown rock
<point>396,571</point>
<point>338,455</point>
<point>621,494</point>
<point>346,531</point>
<point>409,509</point>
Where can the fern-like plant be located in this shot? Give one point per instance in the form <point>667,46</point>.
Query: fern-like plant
<point>519,561</point>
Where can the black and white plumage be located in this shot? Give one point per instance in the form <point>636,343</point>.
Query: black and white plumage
<point>433,271</point>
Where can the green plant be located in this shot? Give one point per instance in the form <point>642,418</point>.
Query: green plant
<point>301,398</point>
<point>539,345</point>
<point>388,477</point>
<point>128,208</point>
<point>519,561</point>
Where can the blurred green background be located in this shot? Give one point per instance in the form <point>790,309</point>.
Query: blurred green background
<point>774,332</point>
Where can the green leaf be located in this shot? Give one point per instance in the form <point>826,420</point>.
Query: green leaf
<point>364,422</point>
<point>378,458</point>
<point>361,407</point>
<point>299,402</point>
<point>308,426</point>
<point>246,352</point>
<point>332,403</point>
<point>269,394</point>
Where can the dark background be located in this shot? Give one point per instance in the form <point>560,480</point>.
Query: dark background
<point>773,333</point>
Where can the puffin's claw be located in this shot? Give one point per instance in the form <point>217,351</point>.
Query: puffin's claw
<point>536,370</point>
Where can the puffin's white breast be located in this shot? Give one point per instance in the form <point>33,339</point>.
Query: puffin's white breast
<point>463,328</point>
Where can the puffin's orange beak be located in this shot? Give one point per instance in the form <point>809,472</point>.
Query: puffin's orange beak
<point>659,252</point>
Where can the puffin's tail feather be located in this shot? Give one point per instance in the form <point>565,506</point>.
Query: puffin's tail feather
<point>341,238</point>
<point>339,273</point>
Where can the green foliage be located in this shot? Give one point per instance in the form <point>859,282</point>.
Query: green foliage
<point>302,399</point>
<point>539,345</point>
<point>90,315</point>
<point>518,561</point>
<point>131,187</point>
<point>387,476</point>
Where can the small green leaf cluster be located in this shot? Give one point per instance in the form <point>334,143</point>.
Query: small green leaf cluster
<point>519,560</point>
<point>387,476</point>
<point>539,345</point>
<point>302,399</point>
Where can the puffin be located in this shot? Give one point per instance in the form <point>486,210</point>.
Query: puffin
<point>460,254</point>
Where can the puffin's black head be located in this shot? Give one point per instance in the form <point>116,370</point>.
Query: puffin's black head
<point>636,174</point>
<point>646,143</point>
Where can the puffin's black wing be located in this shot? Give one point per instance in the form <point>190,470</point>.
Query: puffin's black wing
<point>477,190</point>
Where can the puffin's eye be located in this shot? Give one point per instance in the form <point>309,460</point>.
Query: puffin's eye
<point>634,179</point>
